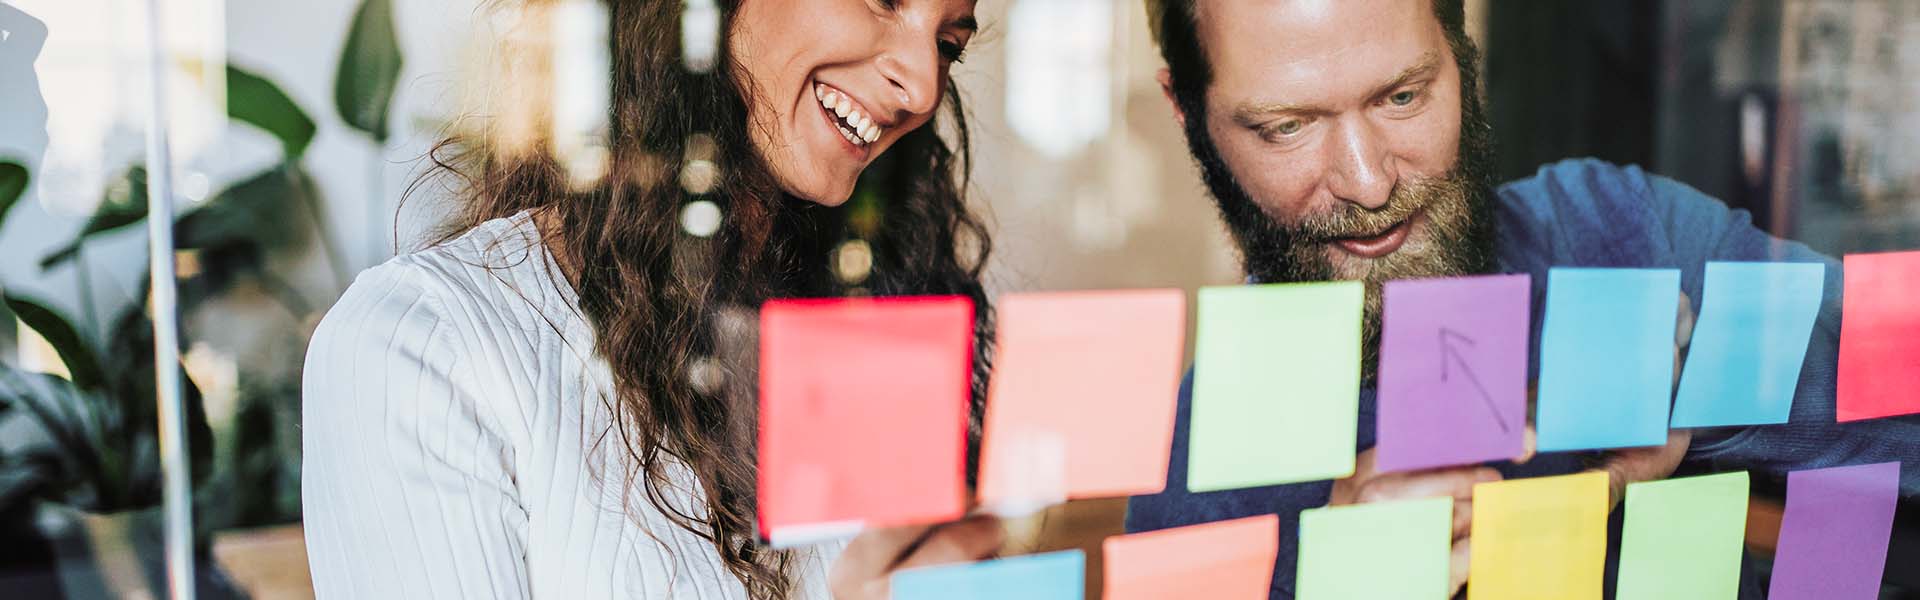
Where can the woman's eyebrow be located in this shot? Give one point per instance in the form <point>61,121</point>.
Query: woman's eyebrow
<point>967,23</point>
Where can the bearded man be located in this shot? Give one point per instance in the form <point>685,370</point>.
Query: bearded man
<point>1345,140</point>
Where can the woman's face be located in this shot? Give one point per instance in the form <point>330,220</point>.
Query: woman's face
<point>834,83</point>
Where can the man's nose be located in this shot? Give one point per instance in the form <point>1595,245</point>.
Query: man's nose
<point>1362,171</point>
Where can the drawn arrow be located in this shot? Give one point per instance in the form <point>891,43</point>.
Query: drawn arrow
<point>1450,353</point>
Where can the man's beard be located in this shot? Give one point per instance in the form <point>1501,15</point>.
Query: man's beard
<point>1458,226</point>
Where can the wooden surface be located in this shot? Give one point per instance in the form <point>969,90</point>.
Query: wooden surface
<point>270,563</point>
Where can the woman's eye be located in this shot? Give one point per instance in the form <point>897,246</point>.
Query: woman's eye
<point>1403,98</point>
<point>953,52</point>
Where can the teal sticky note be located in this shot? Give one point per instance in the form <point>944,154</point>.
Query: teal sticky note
<point>1276,386</point>
<point>1387,550</point>
<point>1606,358</point>
<point>1683,538</point>
<point>1050,576</point>
<point>1744,360</point>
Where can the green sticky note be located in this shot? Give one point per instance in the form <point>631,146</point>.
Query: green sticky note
<point>1276,386</point>
<point>1386,550</point>
<point>1683,538</point>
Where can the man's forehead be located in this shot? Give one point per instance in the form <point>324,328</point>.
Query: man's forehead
<point>1322,43</point>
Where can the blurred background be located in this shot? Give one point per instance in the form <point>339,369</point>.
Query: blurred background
<point>298,125</point>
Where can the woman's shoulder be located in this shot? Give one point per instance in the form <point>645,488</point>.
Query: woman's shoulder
<point>448,315</point>
<point>497,274</point>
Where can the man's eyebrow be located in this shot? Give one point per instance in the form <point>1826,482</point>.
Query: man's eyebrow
<point>1252,113</point>
<point>1429,63</point>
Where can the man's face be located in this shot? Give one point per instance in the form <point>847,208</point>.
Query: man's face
<point>1331,137</point>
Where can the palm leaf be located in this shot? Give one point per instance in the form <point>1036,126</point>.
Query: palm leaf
<point>253,100</point>
<point>369,70</point>
<point>83,365</point>
<point>13,183</point>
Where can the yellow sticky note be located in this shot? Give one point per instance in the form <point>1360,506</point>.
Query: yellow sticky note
<point>1539,539</point>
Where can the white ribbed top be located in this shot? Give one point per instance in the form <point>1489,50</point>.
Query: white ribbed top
<point>453,418</point>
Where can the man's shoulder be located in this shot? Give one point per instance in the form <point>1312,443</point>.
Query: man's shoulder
<point>1584,180</point>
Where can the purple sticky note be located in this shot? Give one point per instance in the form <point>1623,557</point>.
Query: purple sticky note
<point>1453,371</point>
<point>1833,539</point>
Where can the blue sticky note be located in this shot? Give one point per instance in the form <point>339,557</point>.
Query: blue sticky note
<point>1606,358</point>
<point>1050,576</point>
<point>1755,321</point>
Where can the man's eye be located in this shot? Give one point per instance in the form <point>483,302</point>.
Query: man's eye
<point>1289,127</point>
<point>1403,98</point>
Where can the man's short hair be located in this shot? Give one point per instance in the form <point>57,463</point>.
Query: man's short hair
<point>1175,28</point>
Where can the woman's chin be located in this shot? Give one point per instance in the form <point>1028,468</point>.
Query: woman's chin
<point>829,198</point>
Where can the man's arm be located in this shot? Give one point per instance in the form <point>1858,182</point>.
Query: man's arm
<point>1701,229</point>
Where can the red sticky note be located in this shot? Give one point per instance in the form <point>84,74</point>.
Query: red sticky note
<point>863,414</point>
<point>1223,560</point>
<point>1061,358</point>
<point>1880,337</point>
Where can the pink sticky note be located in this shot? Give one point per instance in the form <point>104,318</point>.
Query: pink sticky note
<point>1879,337</point>
<point>1453,371</point>
<point>1061,357</point>
<point>1224,560</point>
<point>863,413</point>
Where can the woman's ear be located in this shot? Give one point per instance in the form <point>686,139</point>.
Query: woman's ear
<point>1165,77</point>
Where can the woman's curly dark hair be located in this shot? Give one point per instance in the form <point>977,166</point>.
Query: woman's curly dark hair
<point>654,293</point>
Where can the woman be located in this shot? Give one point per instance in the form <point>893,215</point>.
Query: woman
<point>528,406</point>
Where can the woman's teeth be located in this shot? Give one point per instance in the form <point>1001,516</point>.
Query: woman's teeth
<point>854,124</point>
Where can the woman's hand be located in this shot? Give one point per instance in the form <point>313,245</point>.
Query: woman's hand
<point>870,559</point>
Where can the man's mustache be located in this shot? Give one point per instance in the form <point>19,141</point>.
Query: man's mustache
<point>1348,220</point>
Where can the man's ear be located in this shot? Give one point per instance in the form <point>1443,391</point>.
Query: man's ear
<point>1165,77</point>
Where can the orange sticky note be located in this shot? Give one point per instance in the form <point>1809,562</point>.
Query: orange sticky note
<point>1082,398</point>
<point>1224,560</point>
<point>863,414</point>
<point>1879,337</point>
<point>1539,539</point>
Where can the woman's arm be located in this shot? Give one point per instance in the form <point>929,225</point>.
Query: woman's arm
<point>407,482</point>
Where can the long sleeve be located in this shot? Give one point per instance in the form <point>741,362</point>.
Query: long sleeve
<point>407,480</point>
<point>1703,229</point>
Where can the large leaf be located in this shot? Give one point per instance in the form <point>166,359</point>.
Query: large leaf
<point>262,210</point>
<point>83,365</point>
<point>13,183</point>
<point>369,70</point>
<point>253,100</point>
<point>125,204</point>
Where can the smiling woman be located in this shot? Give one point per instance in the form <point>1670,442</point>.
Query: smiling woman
<point>526,406</point>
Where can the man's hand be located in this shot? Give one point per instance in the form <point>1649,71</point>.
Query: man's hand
<point>863,570</point>
<point>1367,486</point>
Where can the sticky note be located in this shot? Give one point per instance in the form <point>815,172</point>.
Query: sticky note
<point>1683,538</point>
<point>1744,360</point>
<point>1833,537</point>
<point>1539,539</point>
<point>1050,576</point>
<point>1879,337</point>
<point>1223,560</point>
<point>1606,358</point>
<point>1276,389</point>
<point>1061,357</point>
<point>1453,371</point>
<point>1387,550</point>
<point>863,413</point>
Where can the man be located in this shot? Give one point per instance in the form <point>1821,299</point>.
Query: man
<point>1344,139</point>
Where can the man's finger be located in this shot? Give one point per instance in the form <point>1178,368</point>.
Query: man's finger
<point>1457,482</point>
<point>1462,518</point>
<point>1457,567</point>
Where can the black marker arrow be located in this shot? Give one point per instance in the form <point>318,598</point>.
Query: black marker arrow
<point>1450,353</point>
